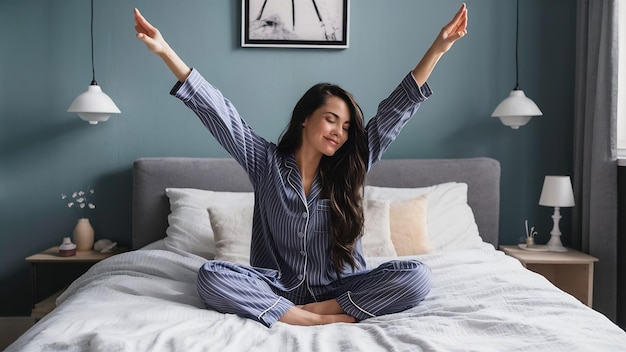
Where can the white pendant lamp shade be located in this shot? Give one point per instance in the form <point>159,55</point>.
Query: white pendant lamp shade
<point>94,105</point>
<point>516,110</point>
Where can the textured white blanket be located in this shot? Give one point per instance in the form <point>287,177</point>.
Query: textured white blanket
<point>481,300</point>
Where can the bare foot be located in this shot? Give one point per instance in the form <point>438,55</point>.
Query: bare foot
<point>329,307</point>
<point>340,318</point>
<point>298,316</point>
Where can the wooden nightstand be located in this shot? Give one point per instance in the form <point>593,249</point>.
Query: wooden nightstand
<point>571,271</point>
<point>51,256</point>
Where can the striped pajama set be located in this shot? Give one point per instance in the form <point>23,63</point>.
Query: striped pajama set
<point>290,255</point>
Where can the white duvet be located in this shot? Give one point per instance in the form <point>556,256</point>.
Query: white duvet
<point>481,300</point>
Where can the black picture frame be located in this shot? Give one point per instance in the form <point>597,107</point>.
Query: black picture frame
<point>295,23</point>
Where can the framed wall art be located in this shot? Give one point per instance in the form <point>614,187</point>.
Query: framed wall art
<point>295,23</point>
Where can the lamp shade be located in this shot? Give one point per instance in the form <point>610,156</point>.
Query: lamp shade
<point>557,192</point>
<point>516,110</point>
<point>93,105</point>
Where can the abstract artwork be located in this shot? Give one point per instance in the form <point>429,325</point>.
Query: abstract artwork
<point>295,23</point>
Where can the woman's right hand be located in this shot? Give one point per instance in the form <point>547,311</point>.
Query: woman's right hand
<point>453,31</point>
<point>149,34</point>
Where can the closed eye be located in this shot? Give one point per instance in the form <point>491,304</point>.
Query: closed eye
<point>333,118</point>
<point>346,126</point>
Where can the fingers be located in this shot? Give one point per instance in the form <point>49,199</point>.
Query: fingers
<point>145,31</point>
<point>462,28</point>
<point>459,22</point>
<point>142,25</point>
<point>457,27</point>
<point>453,31</point>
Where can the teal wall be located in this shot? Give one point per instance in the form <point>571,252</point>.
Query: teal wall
<point>45,64</point>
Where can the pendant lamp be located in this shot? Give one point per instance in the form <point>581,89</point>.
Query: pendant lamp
<point>93,105</point>
<point>517,109</point>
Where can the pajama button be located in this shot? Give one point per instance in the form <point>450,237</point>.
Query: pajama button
<point>303,253</point>
<point>300,277</point>
<point>301,234</point>
<point>304,215</point>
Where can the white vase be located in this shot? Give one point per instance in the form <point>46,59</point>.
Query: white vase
<point>83,235</point>
<point>67,248</point>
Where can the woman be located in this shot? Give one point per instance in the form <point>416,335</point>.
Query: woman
<point>307,266</point>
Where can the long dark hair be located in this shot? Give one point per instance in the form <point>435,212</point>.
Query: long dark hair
<point>342,175</point>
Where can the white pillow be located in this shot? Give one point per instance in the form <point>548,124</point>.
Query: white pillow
<point>376,240</point>
<point>189,227</point>
<point>232,226</point>
<point>450,220</point>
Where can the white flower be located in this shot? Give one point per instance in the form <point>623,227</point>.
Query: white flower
<point>80,200</point>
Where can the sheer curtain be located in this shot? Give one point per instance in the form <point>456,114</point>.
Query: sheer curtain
<point>595,166</point>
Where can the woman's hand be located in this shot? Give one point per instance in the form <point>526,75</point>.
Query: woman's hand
<point>453,31</point>
<point>149,34</point>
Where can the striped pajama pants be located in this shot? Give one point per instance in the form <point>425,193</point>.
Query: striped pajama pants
<point>257,294</point>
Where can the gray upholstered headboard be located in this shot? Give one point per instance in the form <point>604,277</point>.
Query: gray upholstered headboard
<point>152,175</point>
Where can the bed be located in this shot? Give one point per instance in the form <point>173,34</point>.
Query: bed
<point>481,300</point>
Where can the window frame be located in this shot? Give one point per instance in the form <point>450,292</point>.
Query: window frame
<point>621,85</point>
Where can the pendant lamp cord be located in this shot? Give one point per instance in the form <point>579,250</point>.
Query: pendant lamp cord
<point>516,48</point>
<point>93,70</point>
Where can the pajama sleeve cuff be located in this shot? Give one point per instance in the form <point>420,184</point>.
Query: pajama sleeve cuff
<point>271,315</point>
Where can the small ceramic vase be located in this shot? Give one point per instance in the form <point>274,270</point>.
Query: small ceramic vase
<point>67,248</point>
<point>83,235</point>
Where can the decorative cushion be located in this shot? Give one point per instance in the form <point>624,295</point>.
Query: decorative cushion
<point>409,232</point>
<point>376,240</point>
<point>232,227</point>
<point>189,227</point>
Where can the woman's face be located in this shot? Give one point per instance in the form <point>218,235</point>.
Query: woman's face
<point>326,130</point>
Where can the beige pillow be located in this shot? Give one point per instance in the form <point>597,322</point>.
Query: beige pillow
<point>407,220</point>
<point>232,226</point>
<point>376,240</point>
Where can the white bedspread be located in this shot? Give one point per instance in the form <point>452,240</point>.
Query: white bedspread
<point>481,300</point>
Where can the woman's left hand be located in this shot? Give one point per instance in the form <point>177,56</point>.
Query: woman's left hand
<point>453,31</point>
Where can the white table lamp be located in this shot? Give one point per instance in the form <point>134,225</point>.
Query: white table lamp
<point>557,192</point>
